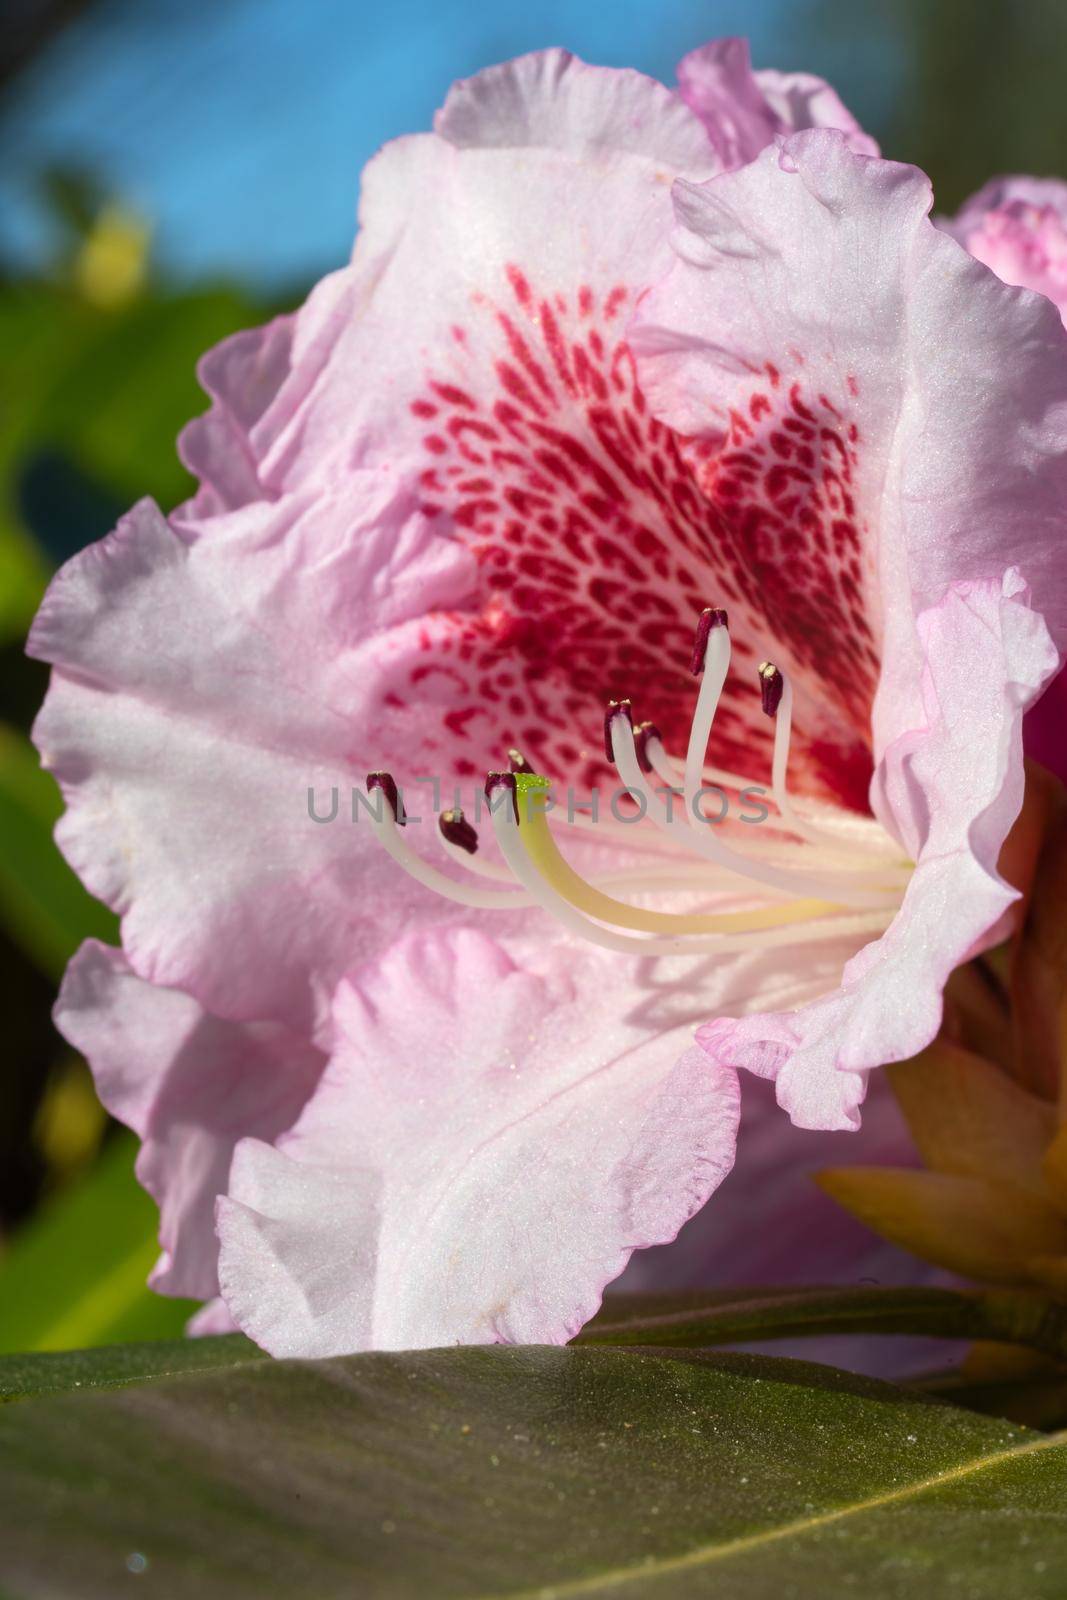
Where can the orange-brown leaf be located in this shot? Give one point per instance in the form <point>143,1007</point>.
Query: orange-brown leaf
<point>968,1117</point>
<point>987,1231</point>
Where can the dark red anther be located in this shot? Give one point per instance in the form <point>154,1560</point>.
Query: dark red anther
<point>771,685</point>
<point>502,780</point>
<point>642,734</point>
<point>384,782</point>
<point>616,708</point>
<point>711,617</point>
<point>458,831</point>
<point>518,762</point>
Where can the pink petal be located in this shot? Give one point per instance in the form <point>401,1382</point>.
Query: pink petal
<point>212,1319</point>
<point>1012,189</point>
<point>954,785</point>
<point>551,100</point>
<point>488,1145</point>
<point>242,375</point>
<point>802,100</point>
<point>203,686</point>
<point>190,1085</point>
<point>1018,227</point>
<point>744,111</point>
<point>812,291</point>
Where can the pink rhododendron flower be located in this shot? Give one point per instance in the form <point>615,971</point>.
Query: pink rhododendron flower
<point>1018,227</point>
<point>608,359</point>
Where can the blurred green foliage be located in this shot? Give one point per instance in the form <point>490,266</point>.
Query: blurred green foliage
<point>100,366</point>
<point>42,904</point>
<point>95,397</point>
<point>76,1275</point>
<point>982,82</point>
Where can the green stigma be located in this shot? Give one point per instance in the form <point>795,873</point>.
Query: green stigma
<point>531,793</point>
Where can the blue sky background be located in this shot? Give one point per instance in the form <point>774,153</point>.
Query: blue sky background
<point>239,127</point>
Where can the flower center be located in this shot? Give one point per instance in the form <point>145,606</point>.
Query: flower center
<point>833,874</point>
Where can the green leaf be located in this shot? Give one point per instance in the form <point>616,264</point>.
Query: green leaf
<point>43,906</point>
<point>25,1377</point>
<point>492,1472</point>
<point>76,1275</point>
<point>698,1319</point>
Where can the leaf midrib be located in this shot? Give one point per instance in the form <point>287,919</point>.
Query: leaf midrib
<point>707,1554</point>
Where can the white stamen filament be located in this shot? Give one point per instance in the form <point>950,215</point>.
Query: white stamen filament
<point>389,837</point>
<point>783,730</point>
<point>668,770</point>
<point>476,864</point>
<point>858,835</point>
<point>712,682</point>
<point>827,886</point>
